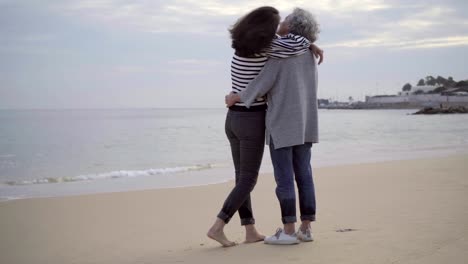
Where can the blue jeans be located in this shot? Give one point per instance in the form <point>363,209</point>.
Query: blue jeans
<point>291,163</point>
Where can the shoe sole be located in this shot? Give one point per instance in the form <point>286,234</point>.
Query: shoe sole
<point>282,242</point>
<point>304,238</point>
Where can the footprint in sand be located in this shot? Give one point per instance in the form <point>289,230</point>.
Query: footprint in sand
<point>345,230</point>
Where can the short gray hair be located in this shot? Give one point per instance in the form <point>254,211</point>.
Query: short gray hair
<point>302,22</point>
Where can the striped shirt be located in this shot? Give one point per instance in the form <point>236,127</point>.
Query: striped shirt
<point>245,69</point>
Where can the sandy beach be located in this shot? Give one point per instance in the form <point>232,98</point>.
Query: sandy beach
<point>413,211</point>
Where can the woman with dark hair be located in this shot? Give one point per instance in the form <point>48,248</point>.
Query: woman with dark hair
<point>254,40</point>
<point>291,128</point>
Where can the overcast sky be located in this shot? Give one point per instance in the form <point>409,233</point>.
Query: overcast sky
<point>176,53</point>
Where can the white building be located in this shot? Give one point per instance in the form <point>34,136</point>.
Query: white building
<point>419,99</point>
<point>424,88</point>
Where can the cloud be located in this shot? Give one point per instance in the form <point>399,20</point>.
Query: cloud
<point>426,19</point>
<point>131,69</point>
<point>441,42</point>
<point>416,28</point>
<point>149,16</point>
<point>193,66</point>
<point>196,62</point>
<point>375,23</point>
<point>437,43</point>
<point>345,23</point>
<point>349,6</point>
<point>207,16</point>
<point>187,66</point>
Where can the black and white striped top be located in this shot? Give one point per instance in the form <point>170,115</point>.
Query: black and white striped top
<point>245,69</point>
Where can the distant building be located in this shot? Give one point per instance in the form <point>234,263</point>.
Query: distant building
<point>456,91</point>
<point>444,93</point>
<point>419,100</point>
<point>323,102</point>
<point>415,89</point>
<point>387,99</point>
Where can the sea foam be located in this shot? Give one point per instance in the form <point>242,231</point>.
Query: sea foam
<point>112,175</point>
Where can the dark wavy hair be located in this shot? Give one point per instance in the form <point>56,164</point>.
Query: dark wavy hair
<point>254,32</point>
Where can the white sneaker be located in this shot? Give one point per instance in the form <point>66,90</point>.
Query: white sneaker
<point>281,238</point>
<point>305,236</point>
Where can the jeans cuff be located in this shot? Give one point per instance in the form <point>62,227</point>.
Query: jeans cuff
<point>289,219</point>
<point>223,216</point>
<point>247,221</point>
<point>308,217</point>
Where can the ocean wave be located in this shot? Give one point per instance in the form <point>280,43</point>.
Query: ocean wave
<point>112,175</point>
<point>9,198</point>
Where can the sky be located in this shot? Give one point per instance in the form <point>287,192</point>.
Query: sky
<point>57,54</point>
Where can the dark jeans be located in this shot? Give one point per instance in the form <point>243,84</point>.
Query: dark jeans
<point>289,163</point>
<point>246,134</point>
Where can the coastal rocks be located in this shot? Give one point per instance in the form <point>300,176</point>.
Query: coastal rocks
<point>449,110</point>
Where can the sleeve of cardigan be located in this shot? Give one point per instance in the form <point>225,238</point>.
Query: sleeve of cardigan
<point>261,84</point>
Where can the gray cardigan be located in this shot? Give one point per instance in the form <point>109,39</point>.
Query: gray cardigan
<point>291,88</point>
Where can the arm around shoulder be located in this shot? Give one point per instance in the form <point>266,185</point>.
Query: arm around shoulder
<point>262,83</point>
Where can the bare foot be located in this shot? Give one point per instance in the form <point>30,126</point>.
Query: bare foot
<point>252,238</point>
<point>219,236</point>
<point>252,235</point>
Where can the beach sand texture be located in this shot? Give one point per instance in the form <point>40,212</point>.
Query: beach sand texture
<point>412,211</point>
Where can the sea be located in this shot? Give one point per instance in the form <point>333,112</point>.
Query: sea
<point>49,153</point>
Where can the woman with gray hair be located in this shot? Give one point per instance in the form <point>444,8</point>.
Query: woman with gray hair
<point>291,127</point>
<point>254,41</point>
<point>300,22</point>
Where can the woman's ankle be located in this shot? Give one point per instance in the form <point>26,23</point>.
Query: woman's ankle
<point>305,225</point>
<point>218,224</point>
<point>250,228</point>
<point>289,228</point>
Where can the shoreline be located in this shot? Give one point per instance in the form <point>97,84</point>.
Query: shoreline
<point>131,159</point>
<point>389,206</point>
<point>216,170</point>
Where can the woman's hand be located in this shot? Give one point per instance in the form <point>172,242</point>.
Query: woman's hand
<point>318,52</point>
<point>231,99</point>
